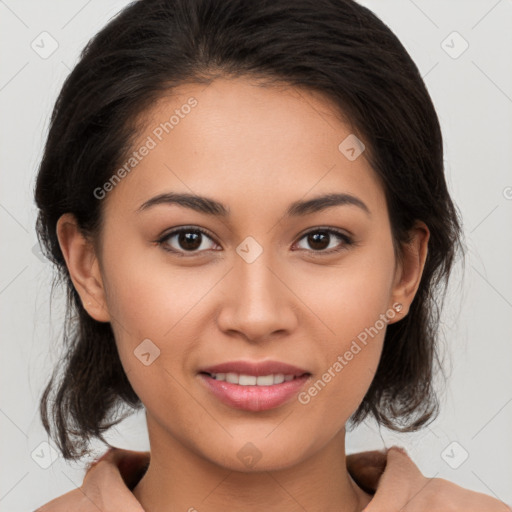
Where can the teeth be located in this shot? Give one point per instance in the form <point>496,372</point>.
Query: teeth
<point>248,380</point>
<point>267,380</point>
<point>232,377</point>
<point>252,380</point>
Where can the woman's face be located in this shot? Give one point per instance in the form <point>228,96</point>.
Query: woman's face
<point>271,280</point>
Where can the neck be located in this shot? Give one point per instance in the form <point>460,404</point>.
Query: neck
<point>179,479</point>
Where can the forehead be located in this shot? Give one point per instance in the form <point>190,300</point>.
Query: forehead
<point>235,138</point>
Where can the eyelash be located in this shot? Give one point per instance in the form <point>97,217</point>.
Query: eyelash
<point>347,241</point>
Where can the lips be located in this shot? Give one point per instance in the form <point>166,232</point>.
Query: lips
<point>255,368</point>
<point>243,384</point>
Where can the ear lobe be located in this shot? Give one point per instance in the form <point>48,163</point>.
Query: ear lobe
<point>410,268</point>
<point>83,267</point>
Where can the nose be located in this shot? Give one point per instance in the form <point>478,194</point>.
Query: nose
<point>258,300</point>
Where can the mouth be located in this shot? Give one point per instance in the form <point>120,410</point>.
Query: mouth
<point>253,386</point>
<point>253,380</point>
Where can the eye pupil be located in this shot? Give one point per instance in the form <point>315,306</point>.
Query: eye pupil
<point>189,240</point>
<point>318,240</point>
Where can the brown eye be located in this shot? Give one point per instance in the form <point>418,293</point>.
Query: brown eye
<point>324,240</point>
<point>191,240</point>
<point>319,240</point>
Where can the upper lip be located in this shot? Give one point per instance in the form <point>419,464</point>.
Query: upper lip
<point>255,368</point>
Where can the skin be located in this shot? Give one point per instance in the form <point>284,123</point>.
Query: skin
<point>398,482</point>
<point>291,304</point>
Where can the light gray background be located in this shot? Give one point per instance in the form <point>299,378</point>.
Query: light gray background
<point>473,97</point>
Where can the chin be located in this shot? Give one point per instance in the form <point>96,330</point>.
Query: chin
<point>259,456</point>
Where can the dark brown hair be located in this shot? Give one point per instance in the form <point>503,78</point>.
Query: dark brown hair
<point>335,47</point>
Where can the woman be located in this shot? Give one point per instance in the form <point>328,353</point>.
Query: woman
<point>247,204</point>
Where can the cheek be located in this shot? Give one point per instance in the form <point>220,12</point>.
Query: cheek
<point>147,295</point>
<point>156,309</point>
<point>350,360</point>
<point>349,297</point>
<point>353,304</point>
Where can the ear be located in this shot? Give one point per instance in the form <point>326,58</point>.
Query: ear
<point>409,268</point>
<point>83,267</point>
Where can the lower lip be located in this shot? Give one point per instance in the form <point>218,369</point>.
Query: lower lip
<point>254,398</point>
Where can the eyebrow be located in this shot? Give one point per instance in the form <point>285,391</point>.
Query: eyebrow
<point>209,206</point>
